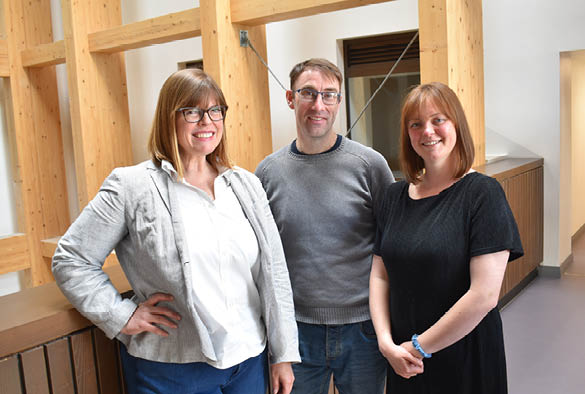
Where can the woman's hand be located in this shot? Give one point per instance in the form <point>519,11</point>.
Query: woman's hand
<point>148,314</point>
<point>403,362</point>
<point>282,378</point>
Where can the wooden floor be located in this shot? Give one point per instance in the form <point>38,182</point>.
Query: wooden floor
<point>544,332</point>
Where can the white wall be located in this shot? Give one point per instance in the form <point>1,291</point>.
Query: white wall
<point>522,42</point>
<point>293,41</point>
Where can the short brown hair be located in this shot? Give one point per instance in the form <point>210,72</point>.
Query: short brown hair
<point>184,88</point>
<point>329,69</point>
<point>446,101</point>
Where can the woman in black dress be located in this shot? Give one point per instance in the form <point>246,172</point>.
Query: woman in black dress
<point>444,238</point>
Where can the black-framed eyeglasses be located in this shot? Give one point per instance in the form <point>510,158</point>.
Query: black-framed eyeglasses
<point>329,98</point>
<point>194,114</point>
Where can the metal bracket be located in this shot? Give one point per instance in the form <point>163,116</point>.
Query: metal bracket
<point>244,38</point>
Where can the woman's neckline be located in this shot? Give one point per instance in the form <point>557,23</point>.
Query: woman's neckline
<point>451,186</point>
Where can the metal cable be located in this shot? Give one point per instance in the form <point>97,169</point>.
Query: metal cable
<point>369,100</point>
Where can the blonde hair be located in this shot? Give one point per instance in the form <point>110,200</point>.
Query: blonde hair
<point>446,101</point>
<point>184,88</point>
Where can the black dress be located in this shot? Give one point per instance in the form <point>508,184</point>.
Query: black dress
<point>427,245</point>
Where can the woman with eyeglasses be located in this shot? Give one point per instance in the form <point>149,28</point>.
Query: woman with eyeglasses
<point>197,241</point>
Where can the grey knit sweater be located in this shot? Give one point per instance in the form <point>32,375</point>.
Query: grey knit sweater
<point>324,206</point>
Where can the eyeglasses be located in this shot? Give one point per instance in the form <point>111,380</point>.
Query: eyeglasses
<point>329,98</point>
<point>194,114</point>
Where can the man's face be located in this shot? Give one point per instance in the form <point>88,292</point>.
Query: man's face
<point>314,118</point>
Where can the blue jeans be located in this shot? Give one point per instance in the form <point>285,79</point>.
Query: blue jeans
<point>349,352</point>
<point>150,377</point>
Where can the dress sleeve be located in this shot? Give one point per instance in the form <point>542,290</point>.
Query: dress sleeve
<point>493,227</point>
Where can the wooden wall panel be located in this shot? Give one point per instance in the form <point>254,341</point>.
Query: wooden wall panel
<point>83,359</point>
<point>59,364</point>
<point>451,51</point>
<point>35,371</point>
<point>36,134</point>
<point>10,376</point>
<point>524,192</point>
<point>107,363</point>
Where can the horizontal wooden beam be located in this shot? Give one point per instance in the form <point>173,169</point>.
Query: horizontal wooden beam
<point>48,247</point>
<point>4,70</point>
<point>260,12</point>
<point>166,28</point>
<point>44,55</point>
<point>14,254</point>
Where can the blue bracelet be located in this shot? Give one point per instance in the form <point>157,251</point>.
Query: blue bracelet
<point>417,346</point>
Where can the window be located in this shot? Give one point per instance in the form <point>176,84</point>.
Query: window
<point>367,61</point>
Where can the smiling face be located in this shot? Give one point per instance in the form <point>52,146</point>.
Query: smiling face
<point>198,139</point>
<point>432,135</point>
<point>314,119</point>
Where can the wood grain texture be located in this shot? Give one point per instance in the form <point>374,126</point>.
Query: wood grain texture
<point>107,363</point>
<point>4,69</point>
<point>451,52</point>
<point>243,79</point>
<point>38,315</point>
<point>83,359</point>
<point>59,363</point>
<point>166,28</point>
<point>35,371</point>
<point>44,55</point>
<point>260,12</point>
<point>97,94</point>
<point>14,253</point>
<point>38,147</point>
<point>10,376</point>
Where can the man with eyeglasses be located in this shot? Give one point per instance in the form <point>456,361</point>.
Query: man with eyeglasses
<point>323,190</point>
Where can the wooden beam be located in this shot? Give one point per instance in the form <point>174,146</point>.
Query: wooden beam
<point>98,96</point>
<point>14,254</point>
<point>260,12</point>
<point>38,315</point>
<point>44,55</point>
<point>175,26</point>
<point>451,51</point>
<point>4,72</point>
<point>243,79</point>
<point>39,168</point>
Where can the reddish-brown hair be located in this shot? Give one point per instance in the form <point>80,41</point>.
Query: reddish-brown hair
<point>448,104</point>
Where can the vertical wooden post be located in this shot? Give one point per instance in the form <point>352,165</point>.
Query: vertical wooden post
<point>451,51</point>
<point>36,136</point>
<point>243,79</point>
<point>98,96</point>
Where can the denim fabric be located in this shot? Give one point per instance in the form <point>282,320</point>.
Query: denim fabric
<point>153,377</point>
<point>349,352</point>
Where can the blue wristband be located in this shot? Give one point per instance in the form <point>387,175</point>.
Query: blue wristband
<point>417,346</point>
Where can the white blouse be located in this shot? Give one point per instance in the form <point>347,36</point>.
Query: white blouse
<point>225,263</point>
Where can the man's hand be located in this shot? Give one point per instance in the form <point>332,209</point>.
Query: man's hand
<point>282,378</point>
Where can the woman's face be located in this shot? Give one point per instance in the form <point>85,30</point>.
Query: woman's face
<point>200,138</point>
<point>432,135</point>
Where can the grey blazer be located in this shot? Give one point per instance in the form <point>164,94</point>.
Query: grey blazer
<point>136,212</point>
